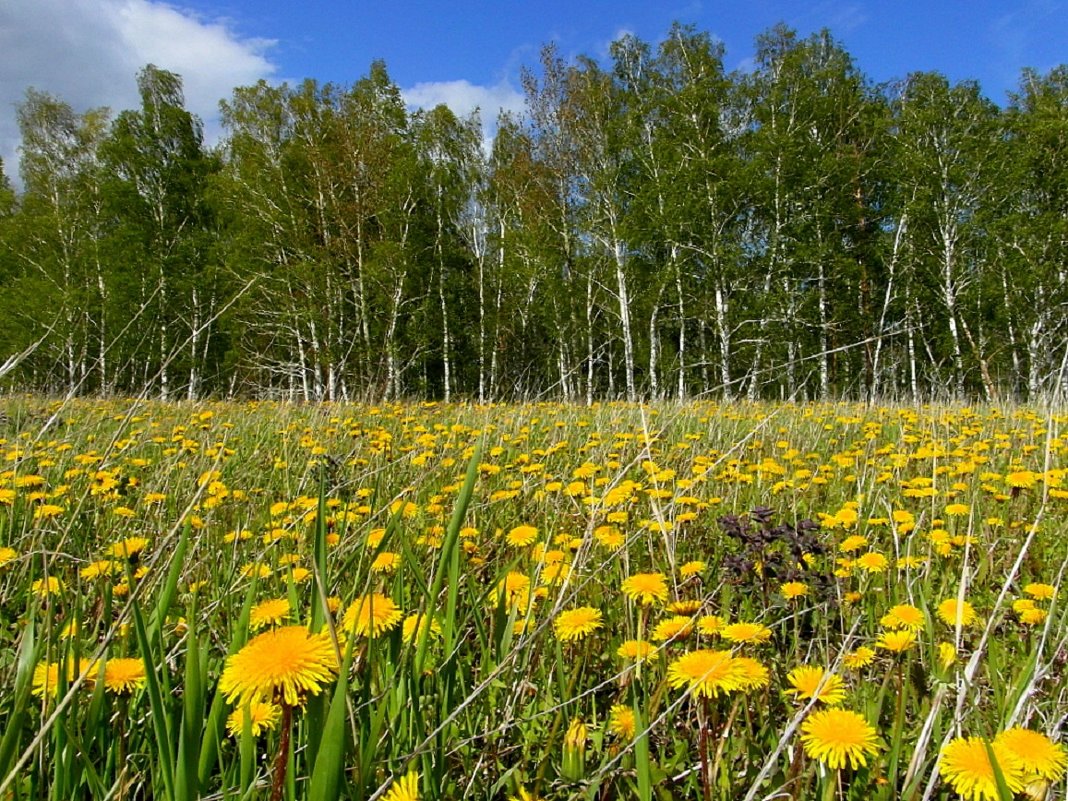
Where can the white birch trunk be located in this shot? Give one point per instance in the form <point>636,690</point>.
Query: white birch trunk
<point>624,319</point>
<point>723,335</point>
<point>681,389</point>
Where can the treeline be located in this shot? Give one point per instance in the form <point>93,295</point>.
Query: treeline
<point>651,226</point>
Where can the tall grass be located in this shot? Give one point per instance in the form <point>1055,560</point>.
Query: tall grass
<point>321,506</point>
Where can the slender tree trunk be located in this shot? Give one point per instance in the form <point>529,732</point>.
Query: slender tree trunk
<point>390,345</point>
<point>989,388</point>
<point>654,346</point>
<point>949,298</point>
<point>589,340</point>
<point>624,318</point>
<point>702,341</point>
<point>681,389</point>
<point>194,350</point>
<point>825,346</point>
<point>102,348</point>
<point>723,335</point>
<point>317,360</point>
<point>495,353</point>
<point>762,334</point>
<point>445,344</point>
<point>880,331</point>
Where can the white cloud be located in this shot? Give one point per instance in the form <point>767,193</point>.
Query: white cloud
<point>463,97</point>
<point>87,53</point>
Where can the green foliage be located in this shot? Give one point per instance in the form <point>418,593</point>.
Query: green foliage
<point>651,226</point>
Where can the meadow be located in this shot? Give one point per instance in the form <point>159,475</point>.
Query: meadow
<point>520,602</point>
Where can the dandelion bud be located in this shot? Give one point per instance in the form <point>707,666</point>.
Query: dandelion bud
<point>947,654</point>
<point>574,768</point>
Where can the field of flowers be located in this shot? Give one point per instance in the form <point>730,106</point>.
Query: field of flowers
<point>236,601</point>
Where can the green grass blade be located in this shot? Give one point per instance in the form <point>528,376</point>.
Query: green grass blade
<point>27,658</point>
<point>328,766</point>
<point>169,590</point>
<point>448,566</point>
<point>161,720</point>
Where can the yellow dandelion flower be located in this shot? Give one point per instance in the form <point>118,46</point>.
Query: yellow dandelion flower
<point>129,548</point>
<point>372,615</point>
<point>646,588</point>
<point>749,673</point>
<point>965,764</point>
<point>574,624</point>
<point>386,562</point>
<point>954,613</point>
<point>621,722</point>
<point>555,572</point>
<point>43,588</point>
<point>282,664</point>
<point>552,557</point>
<point>268,613</point>
<point>852,543</point>
<point>99,569</point>
<point>839,738</point>
<point>860,658</point>
<point>522,536</point>
<point>1021,605</point>
<point>124,676</point>
<point>872,562</point>
<point>692,568</point>
<point>793,589</point>
<point>677,627</point>
<point>263,716</point>
<point>1040,592</point>
<point>1038,755</point>
<point>47,511</point>
<point>947,654</point>
<point>687,606</point>
<point>911,562</point>
<point>7,555</point>
<point>896,641</point>
<point>46,677</point>
<point>609,536</point>
<point>903,616</point>
<point>1022,479</point>
<point>405,788</point>
<point>805,683</point>
<point>746,633</point>
<point>638,651</point>
<point>414,625</point>
<point>711,625</point>
<point>705,673</point>
<point>513,591</point>
<point>1033,617</point>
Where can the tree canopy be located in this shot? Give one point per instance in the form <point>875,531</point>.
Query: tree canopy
<point>652,226</point>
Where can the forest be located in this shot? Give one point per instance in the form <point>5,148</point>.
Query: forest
<point>653,226</point>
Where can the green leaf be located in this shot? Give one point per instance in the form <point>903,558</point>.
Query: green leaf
<point>161,719</point>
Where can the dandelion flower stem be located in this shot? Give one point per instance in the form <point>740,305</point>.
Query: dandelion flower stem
<point>721,738</point>
<point>282,760</point>
<point>703,710</point>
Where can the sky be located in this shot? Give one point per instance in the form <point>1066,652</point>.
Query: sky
<point>467,53</point>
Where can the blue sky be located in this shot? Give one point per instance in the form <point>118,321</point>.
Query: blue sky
<point>485,42</point>
<point>470,53</point>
